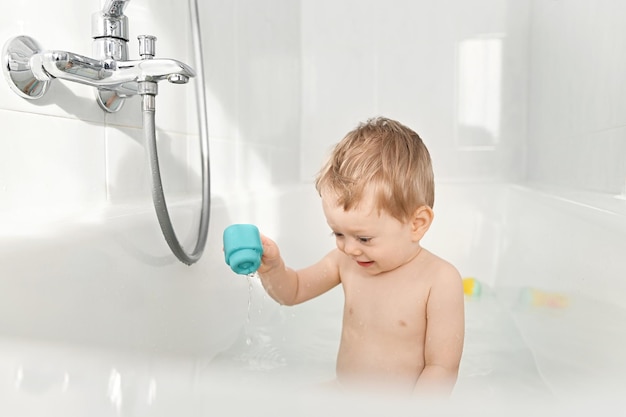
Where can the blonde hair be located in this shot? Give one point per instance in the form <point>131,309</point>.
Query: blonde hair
<point>386,155</point>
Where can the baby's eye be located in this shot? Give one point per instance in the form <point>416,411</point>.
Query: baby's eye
<point>363,239</point>
<point>336,234</point>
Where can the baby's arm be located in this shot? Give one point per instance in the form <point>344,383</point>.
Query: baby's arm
<point>445,333</point>
<point>288,286</point>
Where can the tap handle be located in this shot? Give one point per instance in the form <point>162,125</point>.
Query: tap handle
<point>147,46</point>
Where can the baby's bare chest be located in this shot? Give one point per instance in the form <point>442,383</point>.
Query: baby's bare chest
<point>386,307</point>
<point>383,333</point>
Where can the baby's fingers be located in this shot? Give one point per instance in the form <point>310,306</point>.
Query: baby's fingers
<point>271,254</point>
<point>270,250</point>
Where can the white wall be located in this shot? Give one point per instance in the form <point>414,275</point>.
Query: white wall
<point>562,95</point>
<point>402,59</point>
<point>577,94</point>
<point>252,53</point>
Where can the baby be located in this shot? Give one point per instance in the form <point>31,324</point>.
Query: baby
<point>403,318</point>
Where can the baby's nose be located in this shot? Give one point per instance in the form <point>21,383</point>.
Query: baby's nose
<point>352,248</point>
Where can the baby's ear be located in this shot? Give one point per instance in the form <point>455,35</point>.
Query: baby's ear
<point>421,221</point>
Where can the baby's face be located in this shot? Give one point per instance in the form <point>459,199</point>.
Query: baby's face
<point>376,241</point>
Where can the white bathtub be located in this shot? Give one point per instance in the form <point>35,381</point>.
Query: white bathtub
<point>97,318</point>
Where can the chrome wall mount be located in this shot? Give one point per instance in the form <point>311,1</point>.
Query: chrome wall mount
<point>16,67</point>
<point>30,70</point>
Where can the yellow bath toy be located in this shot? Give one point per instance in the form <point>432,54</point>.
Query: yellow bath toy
<point>471,286</point>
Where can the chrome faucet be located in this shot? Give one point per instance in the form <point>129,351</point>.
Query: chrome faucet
<point>30,70</point>
<point>109,30</point>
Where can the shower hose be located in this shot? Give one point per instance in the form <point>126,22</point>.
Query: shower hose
<point>149,129</point>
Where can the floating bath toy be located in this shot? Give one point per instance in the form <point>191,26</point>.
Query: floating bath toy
<point>243,248</point>
<point>472,287</point>
<point>538,298</point>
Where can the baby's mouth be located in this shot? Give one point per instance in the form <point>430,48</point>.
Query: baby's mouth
<point>365,264</point>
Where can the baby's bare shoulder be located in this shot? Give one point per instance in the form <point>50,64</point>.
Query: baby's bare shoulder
<point>441,271</point>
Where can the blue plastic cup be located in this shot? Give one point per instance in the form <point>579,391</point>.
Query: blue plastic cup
<point>243,248</point>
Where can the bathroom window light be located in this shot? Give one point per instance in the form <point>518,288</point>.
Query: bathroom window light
<point>478,92</point>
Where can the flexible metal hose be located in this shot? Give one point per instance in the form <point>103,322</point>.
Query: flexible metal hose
<point>160,205</point>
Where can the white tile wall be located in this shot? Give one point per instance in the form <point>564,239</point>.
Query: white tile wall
<point>563,94</point>
<point>49,162</point>
<point>398,59</point>
<point>577,94</point>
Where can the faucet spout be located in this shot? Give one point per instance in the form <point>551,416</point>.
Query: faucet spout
<point>156,69</point>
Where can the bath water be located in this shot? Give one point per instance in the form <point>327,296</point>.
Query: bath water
<point>281,340</point>
<point>250,292</point>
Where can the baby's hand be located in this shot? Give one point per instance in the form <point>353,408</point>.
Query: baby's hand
<point>271,255</point>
